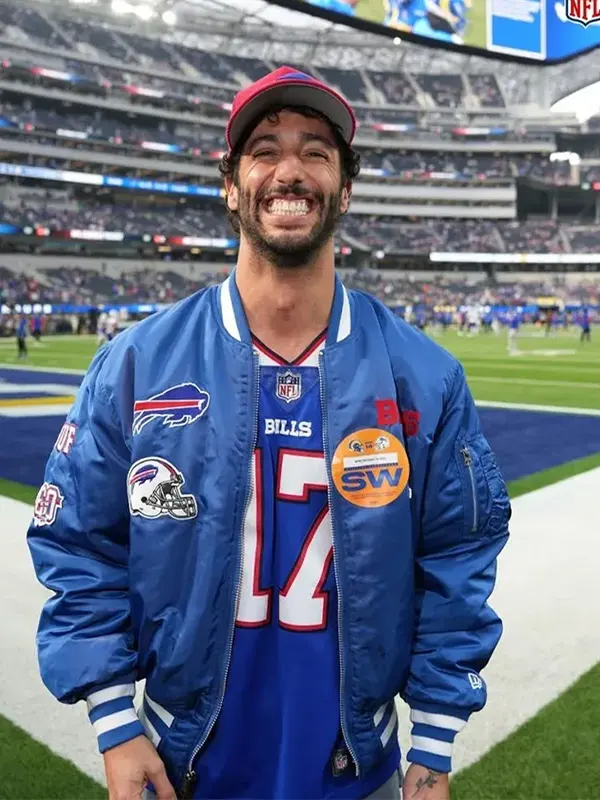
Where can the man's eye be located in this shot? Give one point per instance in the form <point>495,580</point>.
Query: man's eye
<point>263,153</point>
<point>316,154</point>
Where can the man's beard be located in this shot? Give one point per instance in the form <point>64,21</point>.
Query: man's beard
<point>288,249</point>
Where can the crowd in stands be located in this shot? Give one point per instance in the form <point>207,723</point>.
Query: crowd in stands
<point>222,72</point>
<point>60,211</point>
<point>137,220</point>
<point>80,286</point>
<point>37,118</point>
<point>470,236</point>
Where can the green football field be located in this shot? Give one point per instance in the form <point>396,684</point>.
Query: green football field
<point>556,754</point>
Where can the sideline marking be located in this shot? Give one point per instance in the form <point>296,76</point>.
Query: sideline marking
<point>533,382</point>
<point>37,401</point>
<point>586,412</point>
<point>58,370</point>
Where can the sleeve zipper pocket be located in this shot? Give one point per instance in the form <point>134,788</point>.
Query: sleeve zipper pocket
<point>468,459</point>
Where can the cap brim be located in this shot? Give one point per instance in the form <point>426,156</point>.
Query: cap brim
<point>294,94</point>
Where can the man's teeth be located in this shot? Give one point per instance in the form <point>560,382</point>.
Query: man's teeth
<point>295,208</point>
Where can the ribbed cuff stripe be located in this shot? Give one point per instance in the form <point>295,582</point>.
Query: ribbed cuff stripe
<point>113,715</point>
<point>433,735</point>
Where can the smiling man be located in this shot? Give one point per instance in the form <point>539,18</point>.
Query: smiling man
<point>277,508</point>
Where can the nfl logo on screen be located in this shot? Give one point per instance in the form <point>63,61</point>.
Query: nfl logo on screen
<point>289,386</point>
<point>583,11</point>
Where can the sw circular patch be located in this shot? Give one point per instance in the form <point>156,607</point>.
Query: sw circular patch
<point>370,468</point>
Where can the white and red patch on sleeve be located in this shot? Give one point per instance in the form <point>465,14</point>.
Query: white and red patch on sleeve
<point>66,438</point>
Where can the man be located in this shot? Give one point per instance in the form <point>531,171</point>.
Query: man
<point>514,325</point>
<point>22,332</point>
<point>586,334</point>
<point>277,508</point>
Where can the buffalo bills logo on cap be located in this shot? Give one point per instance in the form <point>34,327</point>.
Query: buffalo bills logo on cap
<point>295,76</point>
<point>176,406</point>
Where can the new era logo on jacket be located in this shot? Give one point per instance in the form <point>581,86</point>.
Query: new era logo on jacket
<point>176,406</point>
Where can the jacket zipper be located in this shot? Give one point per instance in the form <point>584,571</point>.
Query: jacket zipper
<point>336,571</point>
<point>190,775</point>
<point>468,459</point>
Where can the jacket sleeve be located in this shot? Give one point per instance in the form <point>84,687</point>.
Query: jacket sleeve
<point>78,540</point>
<point>464,526</point>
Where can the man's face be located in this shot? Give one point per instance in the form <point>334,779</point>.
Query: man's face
<point>288,191</point>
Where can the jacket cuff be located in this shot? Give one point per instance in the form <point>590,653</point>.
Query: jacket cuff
<point>433,735</point>
<point>113,715</point>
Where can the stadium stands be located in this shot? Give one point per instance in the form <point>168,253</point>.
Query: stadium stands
<point>37,118</point>
<point>64,210</point>
<point>435,131</point>
<point>164,285</point>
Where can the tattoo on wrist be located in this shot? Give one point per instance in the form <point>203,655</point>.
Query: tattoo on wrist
<point>428,782</point>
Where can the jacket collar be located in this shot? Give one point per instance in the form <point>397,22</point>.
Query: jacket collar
<point>235,323</point>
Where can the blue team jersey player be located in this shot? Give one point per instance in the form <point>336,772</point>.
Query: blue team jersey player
<point>339,6</point>
<point>445,20</point>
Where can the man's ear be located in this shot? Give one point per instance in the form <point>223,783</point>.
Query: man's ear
<point>345,198</point>
<point>232,194</point>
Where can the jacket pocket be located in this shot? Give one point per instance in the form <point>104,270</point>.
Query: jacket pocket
<point>485,497</point>
<point>157,721</point>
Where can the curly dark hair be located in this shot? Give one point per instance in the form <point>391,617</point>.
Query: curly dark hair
<point>230,162</point>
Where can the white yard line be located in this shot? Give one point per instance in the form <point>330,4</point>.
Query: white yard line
<point>28,389</point>
<point>36,411</point>
<point>58,370</point>
<point>543,584</point>
<point>23,697</point>
<point>585,412</point>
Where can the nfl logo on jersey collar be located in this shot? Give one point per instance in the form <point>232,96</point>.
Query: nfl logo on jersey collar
<point>234,318</point>
<point>288,386</point>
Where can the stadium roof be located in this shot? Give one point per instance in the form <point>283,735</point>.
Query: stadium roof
<point>259,29</point>
<point>260,12</point>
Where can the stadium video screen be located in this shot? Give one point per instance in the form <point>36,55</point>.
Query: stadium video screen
<point>541,30</point>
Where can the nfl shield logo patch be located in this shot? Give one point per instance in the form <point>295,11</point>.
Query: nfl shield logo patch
<point>582,11</point>
<point>288,386</point>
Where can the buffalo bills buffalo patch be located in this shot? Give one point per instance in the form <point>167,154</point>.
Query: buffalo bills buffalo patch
<point>175,407</point>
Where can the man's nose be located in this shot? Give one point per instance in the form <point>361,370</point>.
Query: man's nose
<point>289,170</point>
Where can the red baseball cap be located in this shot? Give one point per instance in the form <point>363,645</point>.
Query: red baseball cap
<point>288,86</point>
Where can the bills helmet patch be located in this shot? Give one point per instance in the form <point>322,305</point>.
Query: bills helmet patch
<point>177,406</point>
<point>288,386</point>
<point>154,490</point>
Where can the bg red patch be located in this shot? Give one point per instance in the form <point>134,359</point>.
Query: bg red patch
<point>389,414</point>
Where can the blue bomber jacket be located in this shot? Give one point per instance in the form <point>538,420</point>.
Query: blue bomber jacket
<point>141,594</point>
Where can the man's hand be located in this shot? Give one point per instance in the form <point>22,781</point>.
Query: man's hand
<point>130,766</point>
<point>422,783</point>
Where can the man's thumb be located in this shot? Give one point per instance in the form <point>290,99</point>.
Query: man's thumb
<point>162,785</point>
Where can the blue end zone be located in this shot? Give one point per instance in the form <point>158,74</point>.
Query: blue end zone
<point>530,441</point>
<point>524,441</point>
<point>27,377</point>
<point>27,442</point>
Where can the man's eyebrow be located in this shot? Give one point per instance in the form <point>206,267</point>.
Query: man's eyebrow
<point>305,138</point>
<point>317,137</point>
<point>264,137</point>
